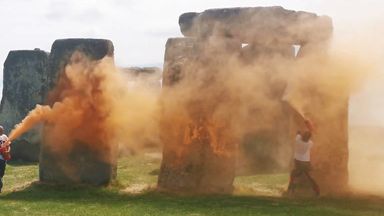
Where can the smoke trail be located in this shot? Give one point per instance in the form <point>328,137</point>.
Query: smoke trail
<point>37,115</point>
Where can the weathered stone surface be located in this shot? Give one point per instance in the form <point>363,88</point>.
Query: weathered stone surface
<point>197,154</point>
<point>178,54</point>
<point>330,152</point>
<point>252,52</point>
<point>25,85</point>
<point>84,162</point>
<point>263,25</point>
<point>61,52</point>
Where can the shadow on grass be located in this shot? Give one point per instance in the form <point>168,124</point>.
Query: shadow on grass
<point>154,172</point>
<point>224,204</point>
<point>17,163</point>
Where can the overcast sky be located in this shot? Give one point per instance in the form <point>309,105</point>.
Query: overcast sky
<point>140,28</point>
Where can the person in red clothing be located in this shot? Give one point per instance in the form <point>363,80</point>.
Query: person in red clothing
<point>4,154</point>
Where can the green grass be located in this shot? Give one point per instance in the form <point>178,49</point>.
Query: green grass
<point>254,195</point>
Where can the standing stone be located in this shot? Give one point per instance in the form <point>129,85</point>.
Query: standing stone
<point>180,54</point>
<point>197,154</point>
<point>61,52</point>
<point>25,85</point>
<point>90,163</point>
<point>330,152</point>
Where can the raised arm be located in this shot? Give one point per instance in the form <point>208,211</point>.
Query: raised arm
<point>308,123</point>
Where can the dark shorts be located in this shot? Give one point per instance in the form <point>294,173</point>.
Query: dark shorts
<point>302,166</point>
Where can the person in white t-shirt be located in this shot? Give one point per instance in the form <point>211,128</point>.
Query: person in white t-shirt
<point>302,160</point>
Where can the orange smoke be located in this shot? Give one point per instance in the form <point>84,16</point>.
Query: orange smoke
<point>80,112</point>
<point>34,117</point>
<point>93,105</point>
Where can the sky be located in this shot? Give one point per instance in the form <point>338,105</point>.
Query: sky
<point>140,28</point>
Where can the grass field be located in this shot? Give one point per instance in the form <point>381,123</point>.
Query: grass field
<point>134,194</point>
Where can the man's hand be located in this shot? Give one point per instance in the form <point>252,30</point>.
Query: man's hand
<point>309,125</point>
<point>7,143</point>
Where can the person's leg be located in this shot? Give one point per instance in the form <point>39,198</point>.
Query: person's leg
<point>315,187</point>
<point>291,186</point>
<point>2,170</point>
<point>293,178</point>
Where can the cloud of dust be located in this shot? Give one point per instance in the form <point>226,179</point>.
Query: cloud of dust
<point>226,92</point>
<point>221,96</point>
<point>95,107</point>
<point>244,98</point>
<point>366,164</point>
